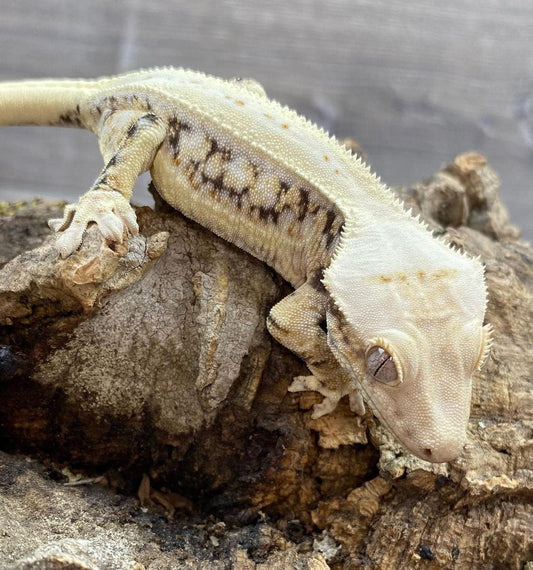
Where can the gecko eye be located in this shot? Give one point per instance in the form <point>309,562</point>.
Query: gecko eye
<point>380,365</point>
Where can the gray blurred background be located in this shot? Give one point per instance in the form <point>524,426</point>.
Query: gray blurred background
<point>415,82</point>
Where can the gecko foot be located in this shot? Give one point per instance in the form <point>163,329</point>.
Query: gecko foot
<point>312,384</point>
<point>305,384</point>
<point>109,210</point>
<point>331,397</point>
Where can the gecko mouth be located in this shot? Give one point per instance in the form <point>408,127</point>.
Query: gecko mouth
<point>441,454</point>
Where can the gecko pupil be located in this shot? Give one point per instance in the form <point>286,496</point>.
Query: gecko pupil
<point>380,365</point>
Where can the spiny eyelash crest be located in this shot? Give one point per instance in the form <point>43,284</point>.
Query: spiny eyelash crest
<point>488,339</point>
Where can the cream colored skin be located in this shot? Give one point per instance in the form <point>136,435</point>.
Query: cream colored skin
<point>264,178</point>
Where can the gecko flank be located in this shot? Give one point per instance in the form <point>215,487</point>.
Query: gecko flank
<point>382,311</point>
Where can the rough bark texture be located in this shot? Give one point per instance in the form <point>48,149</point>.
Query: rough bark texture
<point>149,369</point>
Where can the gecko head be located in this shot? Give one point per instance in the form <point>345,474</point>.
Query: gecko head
<point>411,339</point>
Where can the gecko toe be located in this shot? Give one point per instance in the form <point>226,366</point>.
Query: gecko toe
<point>327,406</point>
<point>60,224</point>
<point>55,224</point>
<point>69,241</point>
<point>130,220</point>
<point>110,226</point>
<point>303,384</point>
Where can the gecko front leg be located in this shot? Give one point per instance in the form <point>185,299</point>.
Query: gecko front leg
<point>296,323</point>
<point>107,202</point>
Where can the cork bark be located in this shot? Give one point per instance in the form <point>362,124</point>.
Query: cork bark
<point>147,370</point>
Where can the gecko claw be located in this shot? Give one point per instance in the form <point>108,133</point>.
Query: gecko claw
<point>70,240</point>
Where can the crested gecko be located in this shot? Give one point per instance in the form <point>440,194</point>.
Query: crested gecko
<point>382,311</point>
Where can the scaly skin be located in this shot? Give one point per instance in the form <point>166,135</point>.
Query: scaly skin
<point>404,312</point>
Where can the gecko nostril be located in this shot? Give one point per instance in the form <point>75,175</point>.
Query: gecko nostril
<point>427,451</point>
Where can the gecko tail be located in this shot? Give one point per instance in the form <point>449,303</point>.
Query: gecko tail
<point>43,102</point>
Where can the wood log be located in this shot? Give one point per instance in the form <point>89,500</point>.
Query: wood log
<point>148,367</point>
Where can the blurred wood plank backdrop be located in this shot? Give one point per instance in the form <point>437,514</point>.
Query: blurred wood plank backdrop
<point>414,82</point>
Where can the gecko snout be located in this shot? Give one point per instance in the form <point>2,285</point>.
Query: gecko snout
<point>440,452</point>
